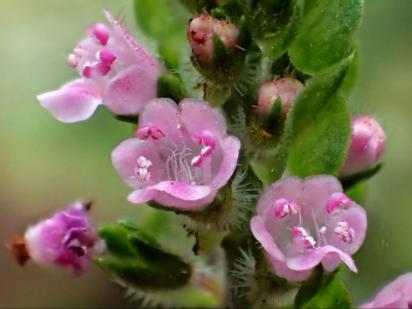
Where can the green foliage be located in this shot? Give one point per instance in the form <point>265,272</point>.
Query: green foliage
<point>324,292</point>
<point>162,20</point>
<point>326,35</point>
<point>275,30</point>
<point>352,180</point>
<point>139,260</point>
<point>171,86</point>
<point>320,125</point>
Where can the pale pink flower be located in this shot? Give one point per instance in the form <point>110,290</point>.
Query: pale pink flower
<point>303,223</point>
<point>67,239</point>
<point>397,294</point>
<point>181,155</point>
<point>367,145</point>
<point>115,71</point>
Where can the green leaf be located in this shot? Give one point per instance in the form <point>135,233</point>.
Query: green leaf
<point>274,42</point>
<point>163,20</point>
<point>326,35</point>
<point>140,261</point>
<point>352,74</point>
<point>328,292</point>
<point>351,180</point>
<point>171,86</point>
<point>320,127</point>
<point>116,240</point>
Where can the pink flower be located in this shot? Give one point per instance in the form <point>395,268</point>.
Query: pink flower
<point>301,223</point>
<point>200,34</point>
<point>367,145</point>
<point>287,89</point>
<point>67,239</point>
<point>115,71</point>
<point>180,157</point>
<point>397,294</point>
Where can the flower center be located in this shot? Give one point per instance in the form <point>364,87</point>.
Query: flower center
<point>338,200</point>
<point>302,238</point>
<point>149,131</point>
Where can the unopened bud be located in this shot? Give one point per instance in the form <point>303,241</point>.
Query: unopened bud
<point>286,89</point>
<point>367,145</point>
<point>200,34</point>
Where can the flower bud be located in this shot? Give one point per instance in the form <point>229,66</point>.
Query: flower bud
<point>200,35</point>
<point>287,89</point>
<point>367,145</point>
<point>67,239</point>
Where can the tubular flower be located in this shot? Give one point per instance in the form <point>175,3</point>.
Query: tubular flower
<point>367,145</point>
<point>200,34</point>
<point>180,157</point>
<point>397,294</point>
<point>286,89</point>
<point>67,239</point>
<point>115,71</point>
<point>302,223</point>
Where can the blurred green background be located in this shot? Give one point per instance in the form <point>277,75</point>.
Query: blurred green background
<point>45,164</point>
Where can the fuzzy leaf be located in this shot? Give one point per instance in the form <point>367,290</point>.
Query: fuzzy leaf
<point>328,292</point>
<point>326,34</point>
<point>140,261</point>
<point>275,42</point>
<point>163,20</point>
<point>320,127</point>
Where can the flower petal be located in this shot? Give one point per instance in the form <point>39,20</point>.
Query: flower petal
<point>313,257</point>
<point>174,194</point>
<point>281,269</point>
<point>317,190</point>
<point>73,102</point>
<point>128,91</point>
<point>164,115</point>
<point>230,149</point>
<point>258,229</point>
<point>288,188</point>
<point>199,116</point>
<point>125,155</point>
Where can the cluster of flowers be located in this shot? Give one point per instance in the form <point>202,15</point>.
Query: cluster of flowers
<point>181,155</point>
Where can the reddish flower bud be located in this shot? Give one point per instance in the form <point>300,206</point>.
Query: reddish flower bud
<point>200,35</point>
<point>287,89</point>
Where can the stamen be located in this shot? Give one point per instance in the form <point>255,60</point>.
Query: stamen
<point>100,32</point>
<point>106,56</point>
<point>72,61</point>
<point>284,208</point>
<point>338,200</point>
<point>345,232</point>
<point>300,234</point>
<point>208,143</point>
<point>146,131</point>
<point>102,68</point>
<point>142,169</point>
<point>87,70</point>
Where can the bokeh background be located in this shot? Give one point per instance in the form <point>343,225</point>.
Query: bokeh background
<point>44,164</point>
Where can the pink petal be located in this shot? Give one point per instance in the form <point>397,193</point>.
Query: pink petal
<point>318,189</point>
<point>164,115</point>
<point>73,102</point>
<point>125,155</point>
<point>131,89</point>
<point>397,294</point>
<point>260,232</point>
<point>313,257</point>
<point>174,194</point>
<point>230,149</point>
<point>199,116</point>
<point>290,188</point>
<point>282,270</point>
<point>356,217</point>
